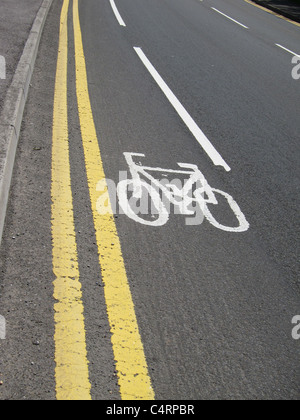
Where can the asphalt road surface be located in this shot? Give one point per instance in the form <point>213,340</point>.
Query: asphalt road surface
<point>167,305</point>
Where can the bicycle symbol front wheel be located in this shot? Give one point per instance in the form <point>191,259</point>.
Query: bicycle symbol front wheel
<point>243,224</point>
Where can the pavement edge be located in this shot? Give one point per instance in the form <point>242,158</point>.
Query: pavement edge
<point>14,105</point>
<point>277,10</point>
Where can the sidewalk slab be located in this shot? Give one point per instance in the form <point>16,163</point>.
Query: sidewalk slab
<point>13,105</point>
<point>16,19</point>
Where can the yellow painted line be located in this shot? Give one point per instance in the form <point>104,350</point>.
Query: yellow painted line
<point>272,13</point>
<point>131,365</point>
<point>71,373</point>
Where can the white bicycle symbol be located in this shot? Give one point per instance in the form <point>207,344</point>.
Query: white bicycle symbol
<point>195,192</point>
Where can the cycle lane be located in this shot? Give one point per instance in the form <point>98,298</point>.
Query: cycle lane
<point>207,286</point>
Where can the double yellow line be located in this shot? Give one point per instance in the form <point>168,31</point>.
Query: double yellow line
<point>72,372</point>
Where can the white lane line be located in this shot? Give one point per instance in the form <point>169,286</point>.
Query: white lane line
<point>286,49</point>
<point>2,328</point>
<point>117,14</point>
<point>182,112</point>
<point>228,17</point>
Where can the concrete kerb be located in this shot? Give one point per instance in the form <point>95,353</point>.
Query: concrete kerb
<point>280,10</point>
<point>12,114</point>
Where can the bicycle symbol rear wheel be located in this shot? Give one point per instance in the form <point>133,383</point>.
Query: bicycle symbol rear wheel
<point>161,215</point>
